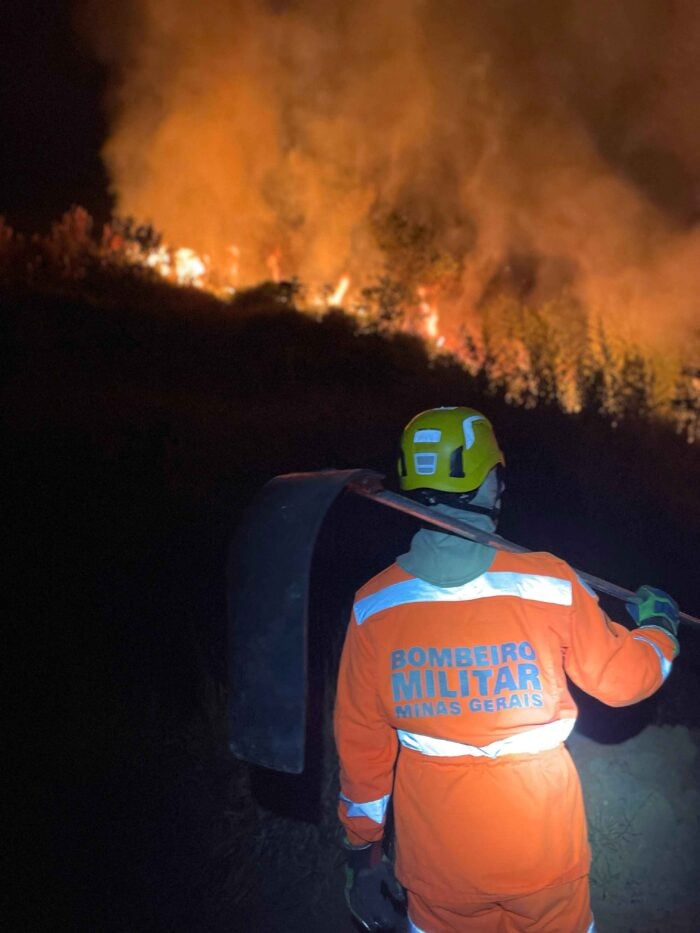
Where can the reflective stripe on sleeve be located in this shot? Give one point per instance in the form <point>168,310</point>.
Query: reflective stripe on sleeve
<point>540,739</point>
<point>666,665</point>
<point>374,809</point>
<point>530,586</point>
<point>412,928</point>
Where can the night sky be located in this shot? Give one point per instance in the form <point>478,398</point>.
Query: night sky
<point>53,125</point>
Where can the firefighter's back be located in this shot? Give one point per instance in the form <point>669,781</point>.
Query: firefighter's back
<point>487,799</point>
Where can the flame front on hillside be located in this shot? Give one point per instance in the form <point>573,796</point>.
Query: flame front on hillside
<point>183,266</point>
<point>525,353</point>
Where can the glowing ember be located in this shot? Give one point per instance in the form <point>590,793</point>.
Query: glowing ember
<point>182,266</point>
<point>159,259</point>
<point>335,300</point>
<point>431,324</point>
<point>429,315</point>
<point>189,268</point>
<point>234,267</point>
<point>273,264</point>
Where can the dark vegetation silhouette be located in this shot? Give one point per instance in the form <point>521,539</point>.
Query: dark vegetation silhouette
<point>139,420</point>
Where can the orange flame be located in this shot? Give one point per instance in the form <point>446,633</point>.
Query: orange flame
<point>430,318</point>
<point>273,264</point>
<point>335,299</point>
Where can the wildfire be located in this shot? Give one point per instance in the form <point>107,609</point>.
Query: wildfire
<point>375,148</point>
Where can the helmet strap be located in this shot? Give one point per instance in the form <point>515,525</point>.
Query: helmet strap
<point>457,500</point>
<point>492,513</point>
<point>461,500</point>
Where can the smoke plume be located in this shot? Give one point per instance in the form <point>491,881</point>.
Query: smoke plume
<point>545,147</point>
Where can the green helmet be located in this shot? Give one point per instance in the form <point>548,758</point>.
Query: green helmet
<point>449,449</point>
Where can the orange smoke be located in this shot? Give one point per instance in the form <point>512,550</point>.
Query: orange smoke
<point>542,154</point>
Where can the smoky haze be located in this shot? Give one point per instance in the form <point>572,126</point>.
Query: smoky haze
<point>547,147</point>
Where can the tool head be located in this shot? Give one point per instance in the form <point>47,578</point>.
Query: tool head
<point>269,572</point>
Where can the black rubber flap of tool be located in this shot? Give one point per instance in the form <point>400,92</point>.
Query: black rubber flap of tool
<point>268,599</point>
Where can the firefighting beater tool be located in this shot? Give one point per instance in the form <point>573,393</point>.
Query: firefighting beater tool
<point>269,572</point>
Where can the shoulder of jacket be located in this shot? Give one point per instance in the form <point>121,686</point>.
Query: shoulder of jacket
<point>539,562</point>
<point>391,574</point>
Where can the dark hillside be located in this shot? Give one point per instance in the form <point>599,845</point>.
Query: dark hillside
<point>137,426</point>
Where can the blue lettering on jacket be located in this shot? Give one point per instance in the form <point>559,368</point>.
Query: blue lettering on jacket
<point>462,655</point>
<point>417,710</point>
<point>406,686</point>
<point>496,677</point>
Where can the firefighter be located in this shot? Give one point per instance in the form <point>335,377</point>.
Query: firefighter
<point>452,697</point>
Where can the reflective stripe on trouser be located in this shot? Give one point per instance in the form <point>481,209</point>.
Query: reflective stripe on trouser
<point>561,909</point>
<point>412,928</point>
<point>539,739</point>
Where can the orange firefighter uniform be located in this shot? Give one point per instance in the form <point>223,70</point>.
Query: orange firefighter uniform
<point>455,700</point>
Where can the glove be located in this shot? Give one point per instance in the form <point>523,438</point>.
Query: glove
<point>650,606</point>
<point>373,894</point>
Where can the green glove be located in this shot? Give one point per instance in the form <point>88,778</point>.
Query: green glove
<point>373,894</point>
<point>650,606</point>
